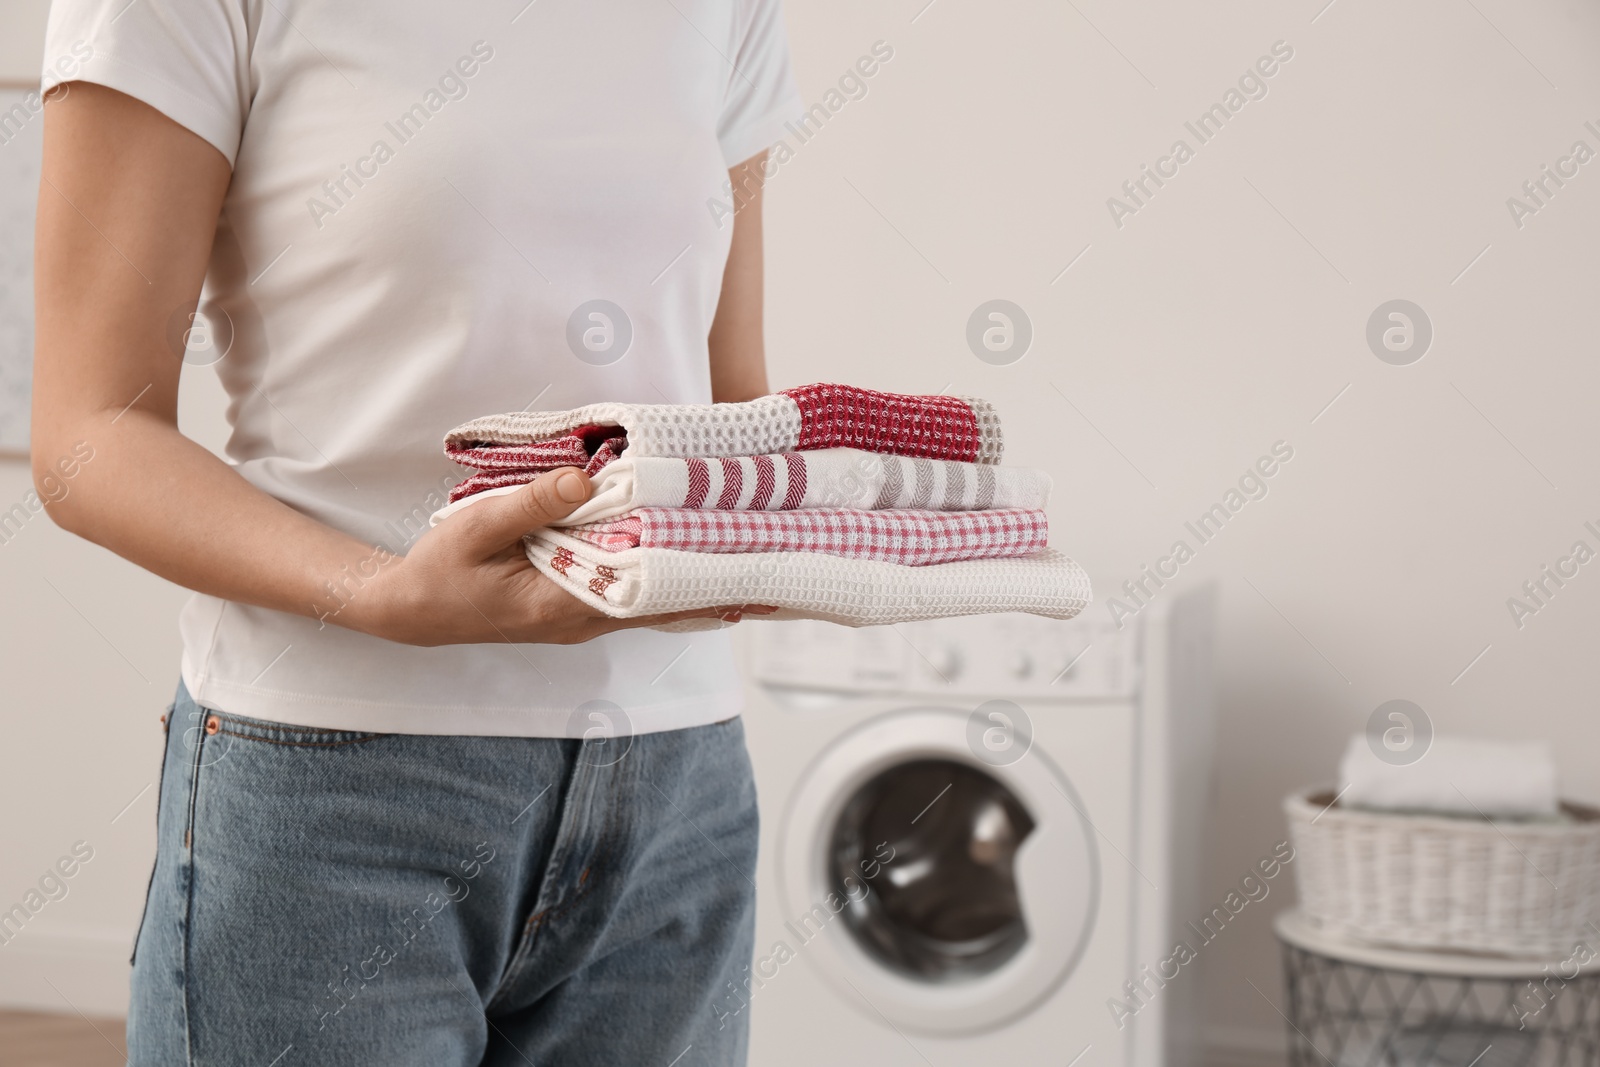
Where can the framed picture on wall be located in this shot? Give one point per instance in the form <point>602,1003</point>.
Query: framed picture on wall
<point>21,148</point>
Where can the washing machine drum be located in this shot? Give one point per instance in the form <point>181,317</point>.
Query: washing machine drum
<point>945,905</point>
<point>961,892</point>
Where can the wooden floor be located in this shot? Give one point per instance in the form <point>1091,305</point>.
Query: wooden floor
<point>30,1040</point>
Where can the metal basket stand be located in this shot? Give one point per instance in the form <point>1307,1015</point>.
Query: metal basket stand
<point>1359,1005</point>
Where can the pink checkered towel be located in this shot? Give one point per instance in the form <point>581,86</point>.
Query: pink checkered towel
<point>855,592</point>
<point>803,419</point>
<point>829,478</point>
<point>909,538</point>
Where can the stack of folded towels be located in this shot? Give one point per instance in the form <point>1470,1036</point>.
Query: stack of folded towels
<point>825,502</point>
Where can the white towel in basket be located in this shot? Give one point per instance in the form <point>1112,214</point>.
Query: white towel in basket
<point>1456,776</point>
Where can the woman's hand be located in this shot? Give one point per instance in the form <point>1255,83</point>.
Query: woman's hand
<point>468,580</point>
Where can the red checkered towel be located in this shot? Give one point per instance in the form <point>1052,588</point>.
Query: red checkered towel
<point>802,419</point>
<point>828,478</point>
<point>908,538</point>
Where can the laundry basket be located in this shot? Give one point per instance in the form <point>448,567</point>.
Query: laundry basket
<point>1436,882</point>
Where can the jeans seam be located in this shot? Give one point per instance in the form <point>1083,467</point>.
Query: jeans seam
<point>161,779</point>
<point>541,919</point>
<point>188,894</point>
<point>566,835</point>
<point>599,853</point>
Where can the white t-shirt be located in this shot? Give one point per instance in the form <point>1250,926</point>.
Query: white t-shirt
<point>426,199</point>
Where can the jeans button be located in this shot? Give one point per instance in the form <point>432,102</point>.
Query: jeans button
<point>213,724</point>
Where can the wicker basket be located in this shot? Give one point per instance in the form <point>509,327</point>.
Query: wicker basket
<point>1434,882</point>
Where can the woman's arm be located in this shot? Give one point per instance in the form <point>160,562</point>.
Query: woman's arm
<point>128,207</point>
<point>738,357</point>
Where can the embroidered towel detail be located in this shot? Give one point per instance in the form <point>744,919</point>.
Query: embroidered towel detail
<point>855,592</point>
<point>603,578</point>
<point>908,538</point>
<point>830,478</point>
<point>811,417</point>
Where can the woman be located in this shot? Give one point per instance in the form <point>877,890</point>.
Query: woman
<point>379,841</point>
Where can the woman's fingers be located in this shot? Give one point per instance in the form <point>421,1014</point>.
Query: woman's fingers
<point>495,522</point>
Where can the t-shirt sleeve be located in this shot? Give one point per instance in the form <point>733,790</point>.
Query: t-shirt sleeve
<point>762,94</point>
<point>188,59</point>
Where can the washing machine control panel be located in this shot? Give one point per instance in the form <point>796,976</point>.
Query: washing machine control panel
<point>993,655</point>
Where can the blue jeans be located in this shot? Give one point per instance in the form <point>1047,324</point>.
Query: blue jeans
<point>326,897</point>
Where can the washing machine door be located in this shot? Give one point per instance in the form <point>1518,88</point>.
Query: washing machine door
<point>934,890</point>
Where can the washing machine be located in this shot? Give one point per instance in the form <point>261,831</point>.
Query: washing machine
<point>978,836</point>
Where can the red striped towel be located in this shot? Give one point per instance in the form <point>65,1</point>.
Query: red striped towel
<point>908,538</point>
<point>827,478</point>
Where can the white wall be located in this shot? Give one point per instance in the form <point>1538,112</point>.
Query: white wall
<point>89,652</point>
<point>1207,328</point>
<point>1222,317</point>
<point>22,38</point>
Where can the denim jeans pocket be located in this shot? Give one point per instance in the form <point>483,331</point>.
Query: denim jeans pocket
<point>279,733</point>
<point>237,764</point>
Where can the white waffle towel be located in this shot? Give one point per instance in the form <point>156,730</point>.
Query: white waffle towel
<point>805,418</point>
<point>854,592</point>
